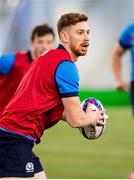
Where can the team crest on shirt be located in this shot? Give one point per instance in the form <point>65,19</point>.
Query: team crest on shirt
<point>29,167</point>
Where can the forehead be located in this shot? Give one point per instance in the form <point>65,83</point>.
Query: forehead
<point>80,26</point>
<point>44,37</point>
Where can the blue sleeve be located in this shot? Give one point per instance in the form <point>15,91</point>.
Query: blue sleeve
<point>125,37</point>
<point>67,79</point>
<point>6,63</point>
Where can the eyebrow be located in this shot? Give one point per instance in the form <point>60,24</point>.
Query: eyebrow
<point>83,30</point>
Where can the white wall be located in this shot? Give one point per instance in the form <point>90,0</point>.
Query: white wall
<point>106,20</point>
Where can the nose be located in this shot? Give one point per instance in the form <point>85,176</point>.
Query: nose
<point>86,37</point>
<point>43,47</point>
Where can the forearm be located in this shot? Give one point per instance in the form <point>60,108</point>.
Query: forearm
<point>118,52</point>
<point>71,120</point>
<point>116,64</point>
<point>80,120</point>
<point>76,117</point>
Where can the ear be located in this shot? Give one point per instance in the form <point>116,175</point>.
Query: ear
<point>64,36</point>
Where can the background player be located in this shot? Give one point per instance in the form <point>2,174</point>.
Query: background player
<point>126,42</point>
<point>50,86</point>
<point>14,66</point>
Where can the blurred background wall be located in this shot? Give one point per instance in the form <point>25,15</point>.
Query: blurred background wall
<point>63,151</point>
<point>106,20</point>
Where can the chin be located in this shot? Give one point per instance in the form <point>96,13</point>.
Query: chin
<point>80,53</point>
<point>83,53</point>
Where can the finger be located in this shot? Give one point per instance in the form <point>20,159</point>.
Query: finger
<point>106,116</point>
<point>101,116</point>
<point>100,123</point>
<point>126,89</point>
<point>102,111</point>
<point>120,88</point>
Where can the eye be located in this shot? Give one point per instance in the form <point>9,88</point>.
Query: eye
<point>80,32</point>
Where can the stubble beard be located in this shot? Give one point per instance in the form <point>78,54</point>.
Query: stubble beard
<point>78,53</point>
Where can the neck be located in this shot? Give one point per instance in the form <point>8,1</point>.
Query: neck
<point>73,56</point>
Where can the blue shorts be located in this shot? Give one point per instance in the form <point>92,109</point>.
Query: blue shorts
<point>16,156</point>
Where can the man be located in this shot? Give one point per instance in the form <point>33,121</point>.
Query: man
<point>47,93</point>
<point>14,66</point>
<point>125,42</point>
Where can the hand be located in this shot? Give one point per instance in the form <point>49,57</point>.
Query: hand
<point>123,86</point>
<point>95,117</point>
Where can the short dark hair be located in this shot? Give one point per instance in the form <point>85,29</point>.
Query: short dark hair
<point>41,30</point>
<point>70,19</point>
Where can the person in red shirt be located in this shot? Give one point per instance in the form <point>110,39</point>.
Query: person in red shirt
<point>47,93</point>
<point>14,66</point>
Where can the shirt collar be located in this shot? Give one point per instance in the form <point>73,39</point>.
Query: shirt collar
<point>61,47</point>
<point>29,56</point>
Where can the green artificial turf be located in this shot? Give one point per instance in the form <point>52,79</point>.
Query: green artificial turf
<point>65,153</point>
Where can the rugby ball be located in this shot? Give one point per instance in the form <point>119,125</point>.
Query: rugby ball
<point>93,132</point>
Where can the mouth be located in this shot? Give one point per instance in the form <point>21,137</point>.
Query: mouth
<point>85,45</point>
